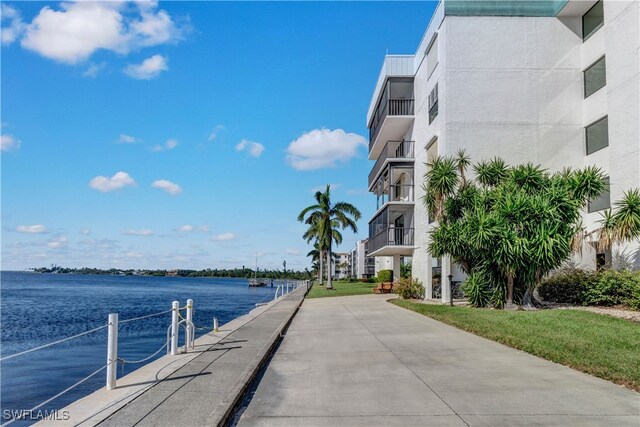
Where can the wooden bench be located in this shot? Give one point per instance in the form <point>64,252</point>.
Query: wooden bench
<point>383,288</point>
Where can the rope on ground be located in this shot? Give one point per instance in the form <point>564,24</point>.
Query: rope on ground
<point>60,394</point>
<point>146,316</point>
<point>53,343</point>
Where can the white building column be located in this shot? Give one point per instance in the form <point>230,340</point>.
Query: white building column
<point>396,267</point>
<point>428,285</point>
<point>445,283</point>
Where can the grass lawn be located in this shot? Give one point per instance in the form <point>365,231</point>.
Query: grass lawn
<point>599,345</point>
<point>341,289</point>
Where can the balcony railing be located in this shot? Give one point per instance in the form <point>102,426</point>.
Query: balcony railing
<point>390,107</point>
<point>395,193</point>
<point>392,236</point>
<point>392,150</point>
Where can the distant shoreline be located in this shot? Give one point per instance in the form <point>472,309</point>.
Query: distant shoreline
<point>238,273</point>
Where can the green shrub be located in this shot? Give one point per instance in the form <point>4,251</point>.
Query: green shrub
<point>371,280</point>
<point>405,270</point>
<point>385,276</point>
<point>614,288</point>
<point>407,288</point>
<point>605,288</point>
<point>566,286</point>
<point>477,290</point>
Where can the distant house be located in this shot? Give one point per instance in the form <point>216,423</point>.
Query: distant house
<point>171,273</point>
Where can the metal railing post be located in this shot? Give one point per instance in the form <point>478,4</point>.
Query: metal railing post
<point>215,324</point>
<point>112,351</point>
<point>175,306</point>
<point>188,342</point>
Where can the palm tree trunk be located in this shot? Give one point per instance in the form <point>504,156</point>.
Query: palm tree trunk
<point>329,285</point>
<point>320,278</point>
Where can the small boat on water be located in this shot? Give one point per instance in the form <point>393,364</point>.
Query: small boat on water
<point>256,283</point>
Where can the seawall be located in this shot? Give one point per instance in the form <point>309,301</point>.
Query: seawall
<point>200,387</point>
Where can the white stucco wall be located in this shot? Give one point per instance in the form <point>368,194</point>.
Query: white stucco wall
<point>513,87</point>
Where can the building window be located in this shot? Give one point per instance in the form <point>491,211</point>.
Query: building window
<point>595,77</point>
<point>597,135</point>
<point>433,103</point>
<point>592,20</point>
<point>432,56</point>
<point>603,201</point>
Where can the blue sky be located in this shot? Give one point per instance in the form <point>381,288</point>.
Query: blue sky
<point>186,134</point>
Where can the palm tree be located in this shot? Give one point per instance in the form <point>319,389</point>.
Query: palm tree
<point>324,220</point>
<point>316,256</point>
<point>316,232</point>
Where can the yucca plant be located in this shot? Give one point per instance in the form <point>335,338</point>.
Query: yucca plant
<point>476,289</point>
<point>511,225</point>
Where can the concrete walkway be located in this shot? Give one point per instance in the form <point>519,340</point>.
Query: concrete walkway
<point>362,361</point>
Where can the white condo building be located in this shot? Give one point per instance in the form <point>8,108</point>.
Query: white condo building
<point>551,82</point>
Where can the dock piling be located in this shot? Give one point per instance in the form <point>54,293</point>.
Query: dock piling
<point>175,306</point>
<point>112,351</point>
<point>189,338</point>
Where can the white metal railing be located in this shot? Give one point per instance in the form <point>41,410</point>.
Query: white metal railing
<point>288,287</point>
<point>113,359</point>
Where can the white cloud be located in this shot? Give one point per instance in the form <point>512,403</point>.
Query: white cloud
<point>74,33</point>
<point>9,142</point>
<point>93,69</point>
<point>324,187</point>
<point>84,230</point>
<point>142,232</point>
<point>57,242</point>
<point>14,27</point>
<point>150,68</point>
<point>216,130</point>
<point>32,229</point>
<point>255,148</point>
<point>323,148</point>
<point>169,145</point>
<point>78,29</point>
<point>117,181</point>
<point>223,237</point>
<point>127,139</point>
<point>104,244</point>
<point>168,186</point>
<point>292,252</point>
<point>204,228</point>
<point>132,254</point>
<point>187,228</point>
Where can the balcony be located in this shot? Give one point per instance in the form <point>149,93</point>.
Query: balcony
<point>392,151</point>
<point>395,193</point>
<point>393,115</point>
<point>391,232</point>
<point>392,241</point>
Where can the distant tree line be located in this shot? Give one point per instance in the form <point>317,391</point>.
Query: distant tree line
<point>216,272</point>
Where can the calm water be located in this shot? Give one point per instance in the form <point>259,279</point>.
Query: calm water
<point>40,308</point>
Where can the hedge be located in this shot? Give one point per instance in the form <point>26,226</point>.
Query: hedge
<point>603,288</point>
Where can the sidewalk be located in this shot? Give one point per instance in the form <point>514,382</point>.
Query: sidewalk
<point>362,361</point>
